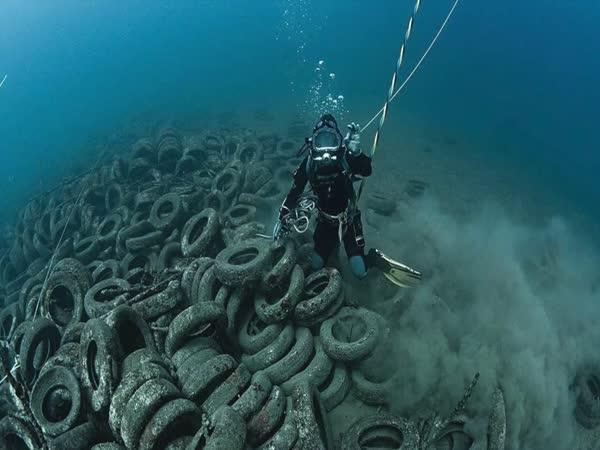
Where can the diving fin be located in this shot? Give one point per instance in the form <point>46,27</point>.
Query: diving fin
<point>399,274</point>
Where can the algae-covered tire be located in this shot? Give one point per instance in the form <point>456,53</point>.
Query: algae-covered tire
<point>254,334</point>
<point>381,203</point>
<point>239,215</point>
<point>199,233</point>
<point>105,270</point>
<point>371,392</point>
<point>210,374</point>
<point>167,212</point>
<point>142,405</point>
<point>249,152</point>
<point>10,317</point>
<point>63,299</point>
<point>143,260</point>
<point>255,395</point>
<point>56,400</point>
<point>315,373</point>
<point>195,269</point>
<point>273,352</point>
<point>188,369</point>
<point>264,423</point>
<point>323,294</point>
<point>39,343</point>
<point>169,256</point>
<point>339,340</point>
<point>140,243</point>
<point>17,336</point>
<point>82,437</point>
<point>100,355</point>
<point>191,347</point>
<point>285,438</point>
<point>131,330</point>
<point>204,264</point>
<point>109,446</point>
<point>16,433</point>
<point>276,306</point>
<point>76,268</point>
<point>128,385</point>
<point>113,197</point>
<point>102,298</point>
<point>87,249</point>
<point>242,263</point>
<point>179,417</point>
<point>381,430</point>
<point>284,261</point>
<point>310,418</point>
<point>206,286</point>
<point>143,357</point>
<point>229,390</point>
<point>226,430</point>
<point>161,303</point>
<point>216,200</point>
<point>336,387</point>
<point>66,356</point>
<point>228,182</point>
<point>108,229</point>
<point>202,319</point>
<point>72,333</point>
<point>293,362</point>
<point>587,409</point>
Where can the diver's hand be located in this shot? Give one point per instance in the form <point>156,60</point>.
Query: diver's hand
<point>353,139</point>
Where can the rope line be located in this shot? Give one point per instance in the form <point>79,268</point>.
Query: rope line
<point>392,89</point>
<point>417,66</point>
<point>393,93</point>
<point>3,80</point>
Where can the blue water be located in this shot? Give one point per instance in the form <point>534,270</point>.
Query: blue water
<point>519,77</point>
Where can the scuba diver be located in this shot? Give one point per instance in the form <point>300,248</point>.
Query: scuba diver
<point>331,167</point>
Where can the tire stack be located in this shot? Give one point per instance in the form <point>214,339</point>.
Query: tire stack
<point>164,321</point>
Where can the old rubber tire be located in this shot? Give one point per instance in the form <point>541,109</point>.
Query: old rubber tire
<point>42,336</point>
<point>294,360</point>
<point>202,319</point>
<point>131,330</point>
<point>129,384</point>
<point>264,423</point>
<point>284,260</point>
<point>99,299</point>
<point>381,430</point>
<point>142,405</point>
<point>322,292</point>
<point>199,233</point>
<point>15,433</point>
<point>341,344</point>
<point>167,212</point>
<point>179,417</point>
<point>255,395</point>
<point>63,299</point>
<point>315,373</point>
<point>279,304</point>
<point>243,263</point>
<point>100,355</point>
<point>56,400</point>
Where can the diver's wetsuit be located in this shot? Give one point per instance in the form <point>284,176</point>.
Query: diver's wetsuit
<point>335,197</point>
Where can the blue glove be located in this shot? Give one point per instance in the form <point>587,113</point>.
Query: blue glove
<point>353,139</point>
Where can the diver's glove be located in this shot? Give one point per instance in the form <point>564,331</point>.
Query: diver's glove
<point>352,139</point>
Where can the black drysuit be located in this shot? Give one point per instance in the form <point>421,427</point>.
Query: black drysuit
<point>333,188</point>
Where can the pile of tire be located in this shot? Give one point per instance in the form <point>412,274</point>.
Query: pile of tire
<point>145,313</point>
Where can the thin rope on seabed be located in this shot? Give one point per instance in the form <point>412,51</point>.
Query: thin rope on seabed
<point>3,80</point>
